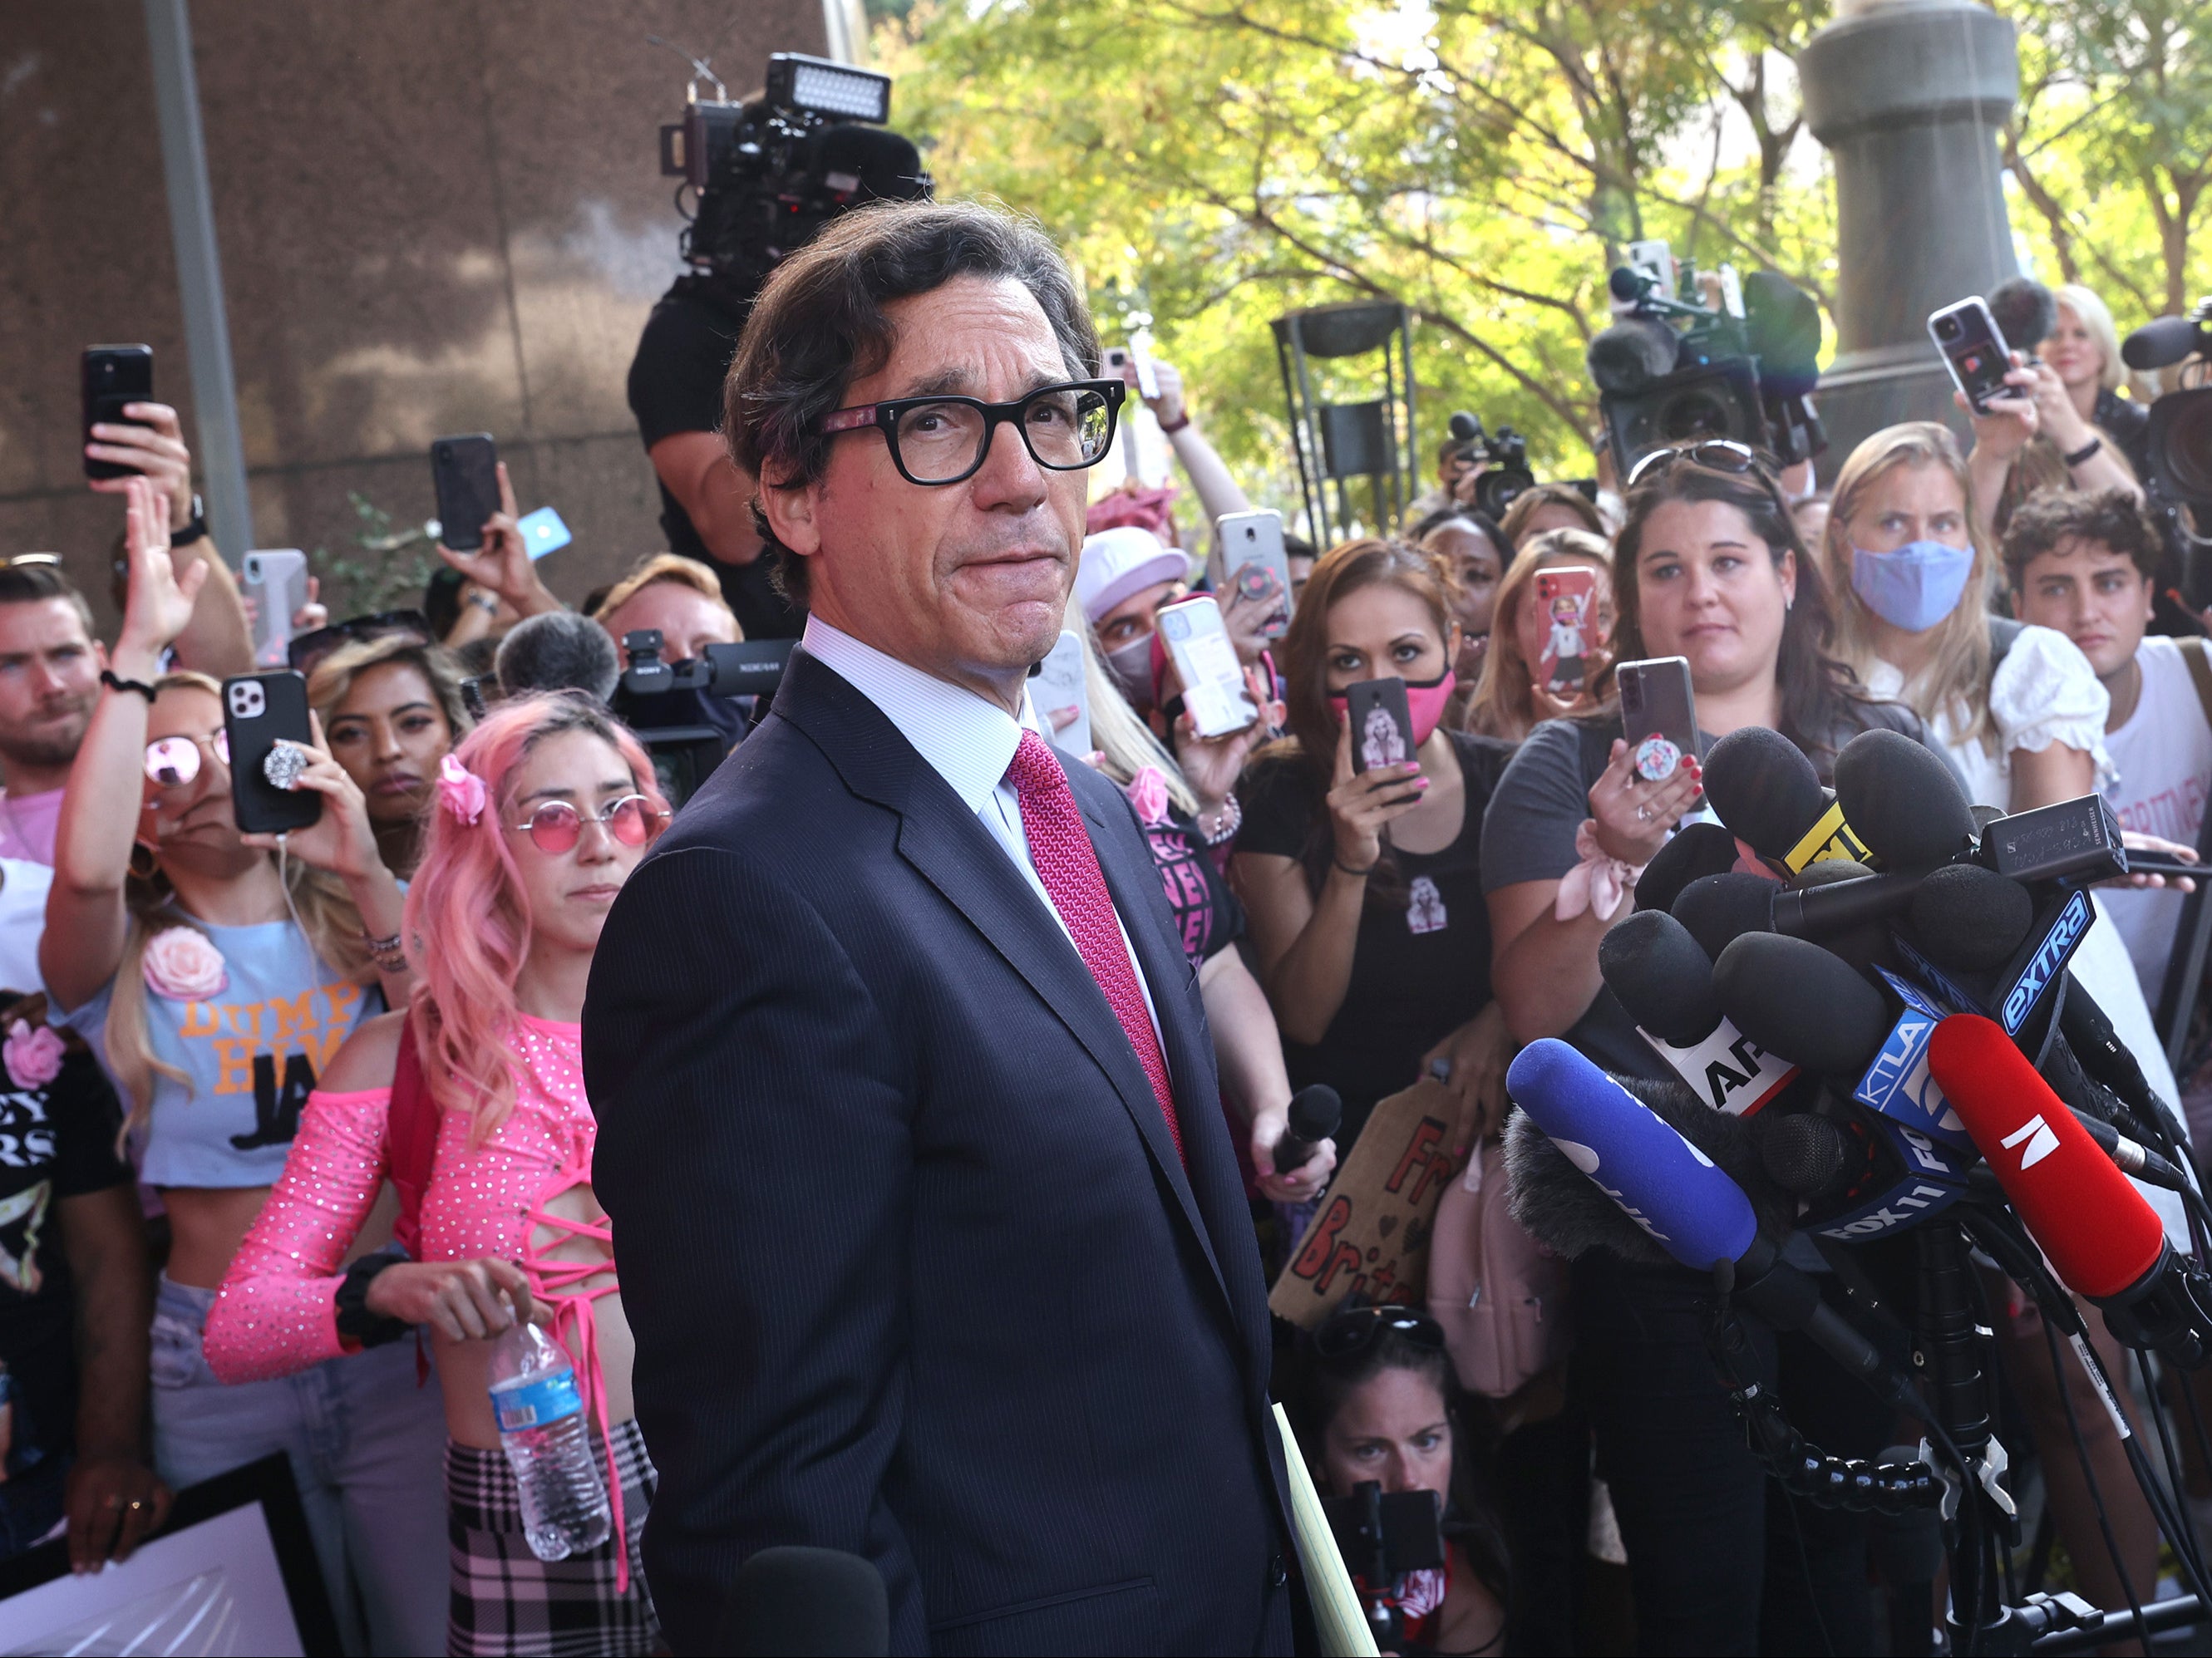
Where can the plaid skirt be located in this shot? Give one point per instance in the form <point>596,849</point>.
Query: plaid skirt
<point>508,1603</point>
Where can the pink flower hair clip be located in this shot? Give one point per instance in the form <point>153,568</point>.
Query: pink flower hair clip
<point>460,790</point>
<point>33,1055</point>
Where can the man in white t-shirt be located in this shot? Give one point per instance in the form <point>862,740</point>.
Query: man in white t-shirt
<point>2085,564</point>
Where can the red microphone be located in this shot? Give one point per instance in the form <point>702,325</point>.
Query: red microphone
<point>2101,1237</point>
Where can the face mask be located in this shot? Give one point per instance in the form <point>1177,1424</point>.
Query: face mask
<point>1914,587</point>
<point>1130,665</point>
<point>1425,701</point>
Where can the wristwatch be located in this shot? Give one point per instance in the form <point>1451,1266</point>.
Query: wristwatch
<point>195,529</point>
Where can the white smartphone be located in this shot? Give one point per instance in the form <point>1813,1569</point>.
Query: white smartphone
<point>1251,552</point>
<point>1973,350</point>
<point>1213,679</point>
<point>1059,692</point>
<point>276,581</point>
<point>1140,352</point>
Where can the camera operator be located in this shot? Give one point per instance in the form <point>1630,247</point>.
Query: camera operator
<point>680,597</point>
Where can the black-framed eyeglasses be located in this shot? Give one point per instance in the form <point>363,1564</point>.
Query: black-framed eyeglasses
<point>311,647</point>
<point>1716,454</point>
<point>943,440</point>
<point>1352,1330</point>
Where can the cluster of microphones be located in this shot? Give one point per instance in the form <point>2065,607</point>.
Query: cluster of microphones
<point>1865,993</point>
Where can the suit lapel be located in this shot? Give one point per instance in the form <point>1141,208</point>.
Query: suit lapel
<point>956,854</point>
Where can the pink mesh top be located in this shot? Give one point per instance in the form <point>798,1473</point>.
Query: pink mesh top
<point>277,1311</point>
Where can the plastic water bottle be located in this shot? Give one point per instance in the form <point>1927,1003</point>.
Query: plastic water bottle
<point>544,1431</point>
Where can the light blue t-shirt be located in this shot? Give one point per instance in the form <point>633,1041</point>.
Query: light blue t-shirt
<point>253,1051</point>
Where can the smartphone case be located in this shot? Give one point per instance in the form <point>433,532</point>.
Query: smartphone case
<point>1567,600</point>
<point>1978,359</point>
<point>1658,715</point>
<point>113,375</point>
<point>1058,684</point>
<point>543,532</point>
<point>1251,544</point>
<point>258,709</point>
<point>1382,723</point>
<point>277,582</point>
<point>464,471</point>
<point>1213,680</point>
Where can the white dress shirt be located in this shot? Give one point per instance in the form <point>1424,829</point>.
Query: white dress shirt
<point>968,742</point>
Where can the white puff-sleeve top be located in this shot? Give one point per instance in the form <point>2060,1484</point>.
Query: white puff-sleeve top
<point>2044,691</point>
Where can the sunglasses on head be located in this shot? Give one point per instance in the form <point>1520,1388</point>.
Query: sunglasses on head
<point>311,647</point>
<point>1715,454</point>
<point>555,827</point>
<point>174,762</point>
<point>1354,1330</point>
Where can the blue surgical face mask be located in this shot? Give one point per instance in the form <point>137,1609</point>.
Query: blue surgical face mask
<point>1914,587</point>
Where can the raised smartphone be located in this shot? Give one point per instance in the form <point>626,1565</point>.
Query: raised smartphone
<point>1213,679</point>
<point>1567,600</point>
<point>1251,551</point>
<point>464,471</point>
<point>114,375</point>
<point>1658,715</point>
<point>1382,723</point>
<point>1973,350</point>
<point>259,711</point>
<point>543,532</point>
<point>1063,702</point>
<point>276,581</point>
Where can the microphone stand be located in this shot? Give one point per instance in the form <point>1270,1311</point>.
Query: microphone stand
<point>1947,1340</point>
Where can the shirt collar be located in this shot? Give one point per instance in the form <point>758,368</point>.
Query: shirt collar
<point>967,741</point>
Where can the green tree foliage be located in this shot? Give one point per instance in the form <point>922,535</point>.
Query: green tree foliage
<point>1210,164</point>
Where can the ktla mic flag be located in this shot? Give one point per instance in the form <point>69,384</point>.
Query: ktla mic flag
<point>1370,1235</point>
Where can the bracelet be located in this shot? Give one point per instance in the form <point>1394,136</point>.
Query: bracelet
<point>1178,425</point>
<point>483,602</point>
<point>2085,453</point>
<point>355,1322</point>
<point>1226,825</point>
<point>115,682</point>
<point>195,527</point>
<point>1348,869</point>
<point>390,954</point>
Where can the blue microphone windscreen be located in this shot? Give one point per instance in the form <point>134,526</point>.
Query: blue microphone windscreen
<point>1666,1184</point>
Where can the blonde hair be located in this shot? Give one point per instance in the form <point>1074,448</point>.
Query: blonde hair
<point>1504,703</point>
<point>1126,741</point>
<point>1957,676</point>
<point>664,567</point>
<point>334,676</point>
<point>327,916</point>
<point>2097,322</point>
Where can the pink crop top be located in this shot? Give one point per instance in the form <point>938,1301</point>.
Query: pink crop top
<point>276,1312</point>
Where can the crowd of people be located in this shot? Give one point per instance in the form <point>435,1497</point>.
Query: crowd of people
<point>295,1125</point>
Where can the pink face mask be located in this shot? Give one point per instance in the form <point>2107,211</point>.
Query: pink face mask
<point>1425,700</point>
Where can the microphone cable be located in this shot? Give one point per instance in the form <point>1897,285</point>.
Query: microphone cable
<point>2088,1472</point>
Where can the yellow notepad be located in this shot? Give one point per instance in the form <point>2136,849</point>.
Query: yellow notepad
<point>1337,1620</point>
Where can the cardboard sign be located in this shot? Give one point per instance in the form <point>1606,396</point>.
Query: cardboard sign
<point>1369,1237</point>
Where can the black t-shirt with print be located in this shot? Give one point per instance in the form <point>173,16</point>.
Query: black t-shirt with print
<point>57,1141</point>
<point>1208,918</point>
<point>1420,967</point>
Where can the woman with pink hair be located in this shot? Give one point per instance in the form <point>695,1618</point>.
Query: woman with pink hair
<point>542,814</point>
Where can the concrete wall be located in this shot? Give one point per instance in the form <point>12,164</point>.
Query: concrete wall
<point>435,217</point>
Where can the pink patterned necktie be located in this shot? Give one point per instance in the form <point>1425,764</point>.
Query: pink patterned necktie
<point>1065,863</point>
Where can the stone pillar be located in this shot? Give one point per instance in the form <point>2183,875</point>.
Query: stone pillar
<point>1909,97</point>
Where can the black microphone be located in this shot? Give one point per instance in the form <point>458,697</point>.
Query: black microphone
<point>1316,1113</point>
<point>1765,789</point>
<point>1694,850</point>
<point>812,1602</point>
<point>2088,1031</point>
<point>2025,311</point>
<point>2164,341</point>
<point>1970,918</point>
<point>1797,999</point>
<point>1717,910</point>
<point>1902,800</point>
<point>1665,980</point>
<point>1628,355</point>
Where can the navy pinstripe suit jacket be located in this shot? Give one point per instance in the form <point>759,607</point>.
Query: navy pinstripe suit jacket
<point>913,1269</point>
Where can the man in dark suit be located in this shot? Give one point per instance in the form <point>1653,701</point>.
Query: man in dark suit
<point>928,1223</point>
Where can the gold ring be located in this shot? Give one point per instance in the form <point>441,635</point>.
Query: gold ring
<point>137,1504</point>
